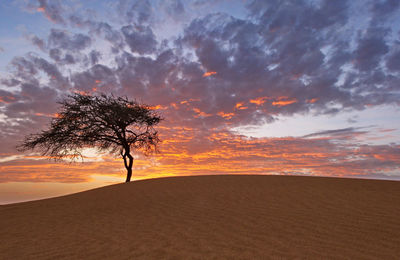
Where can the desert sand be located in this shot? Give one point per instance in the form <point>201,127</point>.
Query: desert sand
<point>210,217</point>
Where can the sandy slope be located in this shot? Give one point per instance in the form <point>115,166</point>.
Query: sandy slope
<point>210,217</point>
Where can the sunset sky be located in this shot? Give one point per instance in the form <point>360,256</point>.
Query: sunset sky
<point>246,87</point>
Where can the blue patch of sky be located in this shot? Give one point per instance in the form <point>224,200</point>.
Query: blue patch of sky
<point>372,119</point>
<point>16,24</point>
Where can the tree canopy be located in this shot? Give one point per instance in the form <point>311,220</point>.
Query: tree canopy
<point>114,124</point>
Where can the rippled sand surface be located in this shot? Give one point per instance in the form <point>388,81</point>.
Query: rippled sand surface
<point>210,217</point>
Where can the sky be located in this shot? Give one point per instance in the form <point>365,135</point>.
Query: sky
<point>246,87</point>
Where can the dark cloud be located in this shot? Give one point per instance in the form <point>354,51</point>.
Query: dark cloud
<point>58,56</point>
<point>286,58</point>
<point>64,47</point>
<point>12,82</point>
<point>343,133</point>
<point>94,57</point>
<point>62,39</point>
<point>6,97</point>
<point>382,9</point>
<point>100,28</point>
<point>136,12</point>
<point>371,48</point>
<point>38,42</point>
<point>53,10</point>
<point>140,39</point>
<point>352,120</point>
<point>97,78</point>
<point>28,69</point>
<point>175,9</point>
<point>393,61</point>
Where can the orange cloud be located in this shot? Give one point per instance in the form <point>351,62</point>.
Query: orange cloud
<point>209,73</point>
<point>283,101</point>
<point>158,107</point>
<point>240,106</point>
<point>225,115</point>
<point>200,113</point>
<point>190,100</point>
<point>379,157</point>
<point>259,101</point>
<point>6,99</point>
<point>80,92</point>
<point>184,152</point>
<point>47,115</point>
<point>313,100</point>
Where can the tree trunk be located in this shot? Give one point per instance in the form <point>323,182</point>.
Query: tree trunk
<point>129,174</point>
<point>128,166</point>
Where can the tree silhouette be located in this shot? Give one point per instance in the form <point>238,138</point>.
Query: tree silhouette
<point>113,124</point>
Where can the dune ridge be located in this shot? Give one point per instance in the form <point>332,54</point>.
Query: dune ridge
<point>210,217</point>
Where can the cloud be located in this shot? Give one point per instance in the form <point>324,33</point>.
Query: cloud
<point>342,133</point>
<point>135,12</point>
<point>209,73</point>
<point>221,71</point>
<point>37,42</point>
<point>381,10</point>
<point>140,39</point>
<point>175,8</point>
<point>393,60</point>
<point>97,78</point>
<point>61,39</point>
<point>53,10</point>
<point>64,47</point>
<point>371,48</point>
<point>189,152</point>
<point>9,82</point>
<point>43,170</point>
<point>307,60</point>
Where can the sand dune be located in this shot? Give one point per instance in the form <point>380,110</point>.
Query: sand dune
<point>210,217</point>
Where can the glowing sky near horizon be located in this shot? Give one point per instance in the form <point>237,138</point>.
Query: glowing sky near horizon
<point>246,87</point>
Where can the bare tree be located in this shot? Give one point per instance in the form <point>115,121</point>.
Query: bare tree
<point>114,124</point>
